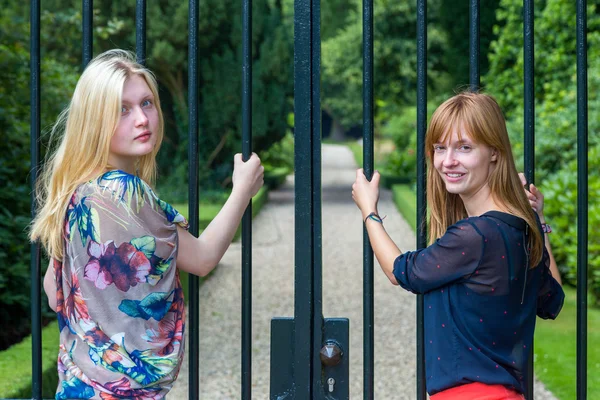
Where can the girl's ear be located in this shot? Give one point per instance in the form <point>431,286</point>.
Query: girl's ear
<point>494,155</point>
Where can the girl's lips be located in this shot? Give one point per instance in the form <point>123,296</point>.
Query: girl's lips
<point>144,137</point>
<point>453,176</point>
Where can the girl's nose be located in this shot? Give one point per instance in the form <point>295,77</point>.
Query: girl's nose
<point>449,159</point>
<point>140,118</point>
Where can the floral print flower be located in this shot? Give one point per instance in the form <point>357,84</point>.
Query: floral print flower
<point>75,307</point>
<point>125,266</point>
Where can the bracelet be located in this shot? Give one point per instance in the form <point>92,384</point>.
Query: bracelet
<point>375,217</point>
<point>546,228</point>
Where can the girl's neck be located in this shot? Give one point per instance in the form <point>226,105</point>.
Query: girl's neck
<point>480,203</point>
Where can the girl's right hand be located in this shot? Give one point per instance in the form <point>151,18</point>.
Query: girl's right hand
<point>248,177</point>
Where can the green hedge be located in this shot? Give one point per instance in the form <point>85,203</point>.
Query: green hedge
<point>15,362</point>
<point>560,192</point>
<point>406,202</point>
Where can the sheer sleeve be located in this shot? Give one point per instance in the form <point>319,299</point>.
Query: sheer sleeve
<point>550,295</point>
<point>452,257</point>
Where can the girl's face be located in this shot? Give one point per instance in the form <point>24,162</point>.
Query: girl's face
<point>136,134</point>
<point>464,166</point>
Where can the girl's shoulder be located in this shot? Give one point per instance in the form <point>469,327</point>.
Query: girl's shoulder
<point>492,220</point>
<point>126,191</point>
<point>117,186</point>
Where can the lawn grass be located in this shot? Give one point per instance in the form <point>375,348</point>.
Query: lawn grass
<point>15,366</point>
<point>15,362</point>
<point>555,351</point>
<point>555,361</point>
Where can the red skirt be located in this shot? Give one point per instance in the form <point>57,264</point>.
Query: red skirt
<point>478,391</point>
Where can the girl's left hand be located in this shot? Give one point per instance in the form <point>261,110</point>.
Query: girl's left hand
<point>535,197</point>
<point>364,193</point>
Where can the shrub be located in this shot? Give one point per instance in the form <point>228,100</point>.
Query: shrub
<point>560,192</point>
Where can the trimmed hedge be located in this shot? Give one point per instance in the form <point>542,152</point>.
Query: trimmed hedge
<point>406,200</point>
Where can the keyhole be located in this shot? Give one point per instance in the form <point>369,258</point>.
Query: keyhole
<point>331,382</point>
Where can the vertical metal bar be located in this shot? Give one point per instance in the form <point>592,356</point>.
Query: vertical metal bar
<point>368,161</point>
<point>247,218</point>
<point>582,199</point>
<point>474,46</point>
<point>36,303</point>
<point>87,24</point>
<point>529,130</point>
<point>317,259</point>
<point>140,31</point>
<point>303,293</point>
<point>421,171</point>
<point>529,117</point>
<point>193,197</point>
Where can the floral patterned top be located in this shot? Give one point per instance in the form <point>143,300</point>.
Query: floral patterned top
<point>119,300</point>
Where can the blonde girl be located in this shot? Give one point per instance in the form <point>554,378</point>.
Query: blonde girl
<point>486,273</point>
<point>115,247</point>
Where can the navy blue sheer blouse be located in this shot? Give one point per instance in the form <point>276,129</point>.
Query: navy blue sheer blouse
<point>481,301</point>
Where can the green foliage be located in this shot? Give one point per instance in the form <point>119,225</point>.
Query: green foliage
<point>454,20</point>
<point>555,53</point>
<point>561,213</point>
<point>402,128</point>
<point>278,161</point>
<point>394,59</point>
<point>15,163</point>
<point>405,200</point>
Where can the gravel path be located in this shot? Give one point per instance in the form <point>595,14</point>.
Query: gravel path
<point>273,274</point>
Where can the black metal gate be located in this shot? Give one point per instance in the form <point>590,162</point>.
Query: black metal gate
<point>309,353</point>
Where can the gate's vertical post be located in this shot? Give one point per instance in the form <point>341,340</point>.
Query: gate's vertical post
<point>140,31</point>
<point>368,161</point>
<point>86,26</point>
<point>582,199</point>
<point>421,171</point>
<point>317,258</point>
<point>529,130</point>
<point>247,218</point>
<point>529,117</point>
<point>303,164</point>
<point>193,196</point>
<point>36,304</point>
<point>474,80</point>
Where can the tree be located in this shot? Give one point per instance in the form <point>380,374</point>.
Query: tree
<point>555,78</point>
<point>454,20</point>
<point>394,60</point>
<point>58,81</point>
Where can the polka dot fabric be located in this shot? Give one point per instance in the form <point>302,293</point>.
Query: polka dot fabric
<point>480,301</point>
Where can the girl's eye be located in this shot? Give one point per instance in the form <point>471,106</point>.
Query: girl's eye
<point>146,103</point>
<point>124,110</point>
<point>465,147</point>
<point>438,148</point>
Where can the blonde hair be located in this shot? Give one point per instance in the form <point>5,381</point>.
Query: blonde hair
<point>480,115</point>
<point>84,131</point>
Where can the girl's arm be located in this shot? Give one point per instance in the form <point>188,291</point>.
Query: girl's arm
<point>366,196</point>
<point>200,255</point>
<point>50,286</point>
